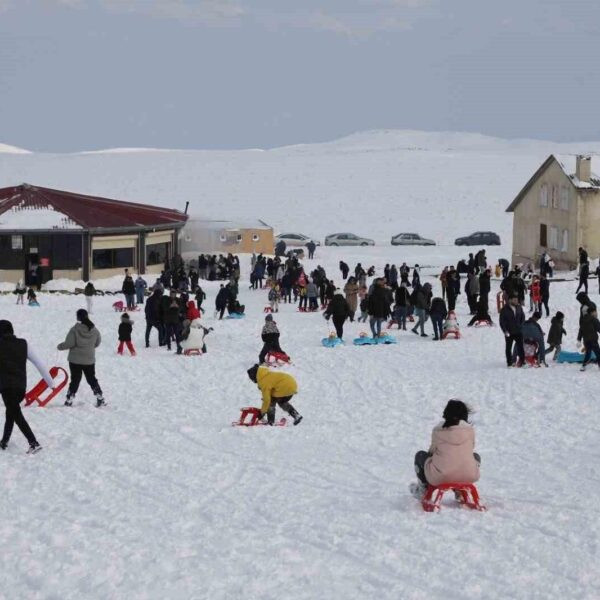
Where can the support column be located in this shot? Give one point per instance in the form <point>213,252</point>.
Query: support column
<point>142,252</point>
<point>85,255</point>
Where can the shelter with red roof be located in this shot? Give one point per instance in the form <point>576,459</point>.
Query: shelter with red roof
<point>51,234</point>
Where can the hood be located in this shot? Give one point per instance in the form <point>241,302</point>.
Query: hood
<point>83,333</point>
<point>455,435</point>
<point>583,298</point>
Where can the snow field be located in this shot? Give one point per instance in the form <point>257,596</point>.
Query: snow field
<point>157,496</point>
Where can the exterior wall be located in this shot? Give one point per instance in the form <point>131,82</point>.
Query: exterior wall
<point>105,273</point>
<point>155,269</point>
<point>529,214</point>
<point>11,276</point>
<point>590,223</point>
<point>196,239</point>
<point>74,274</point>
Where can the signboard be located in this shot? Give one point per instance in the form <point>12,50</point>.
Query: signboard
<point>33,250</point>
<point>44,262</point>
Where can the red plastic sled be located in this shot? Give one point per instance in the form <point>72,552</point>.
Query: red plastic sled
<point>391,323</point>
<point>254,414</point>
<point>192,352</point>
<point>277,358</point>
<point>267,309</point>
<point>34,394</point>
<point>467,492</point>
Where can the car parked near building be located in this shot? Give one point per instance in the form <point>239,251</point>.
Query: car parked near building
<point>479,238</point>
<point>411,239</point>
<point>347,239</point>
<point>295,239</point>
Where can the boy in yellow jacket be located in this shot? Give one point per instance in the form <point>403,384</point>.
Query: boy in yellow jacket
<point>276,388</point>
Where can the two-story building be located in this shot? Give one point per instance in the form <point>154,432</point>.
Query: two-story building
<point>558,210</point>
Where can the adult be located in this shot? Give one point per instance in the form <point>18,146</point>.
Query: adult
<point>89,291</point>
<point>280,247</point>
<point>511,323</point>
<point>14,354</point>
<point>152,313</point>
<point>311,247</point>
<point>504,265</point>
<point>351,291</point>
<point>421,300</point>
<point>472,291</point>
<point>128,289</point>
<point>438,312</point>
<point>484,287</point>
<point>222,300</point>
<point>81,342</point>
<point>402,300</point>
<point>590,326</point>
<point>452,287</point>
<point>173,323</point>
<point>344,268</point>
<point>378,307</point>
<point>583,255</point>
<point>338,310</point>
<point>584,273</point>
<point>545,293</point>
<point>140,289</point>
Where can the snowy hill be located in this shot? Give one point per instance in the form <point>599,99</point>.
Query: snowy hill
<point>377,183</point>
<point>6,149</point>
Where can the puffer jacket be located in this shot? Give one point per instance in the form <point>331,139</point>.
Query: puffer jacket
<point>452,457</point>
<point>274,384</point>
<point>81,343</point>
<point>556,332</point>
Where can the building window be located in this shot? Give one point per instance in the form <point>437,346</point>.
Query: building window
<point>543,235</point>
<point>565,241</point>
<point>255,237</point>
<point>544,195</point>
<point>238,238</point>
<point>113,258</point>
<point>554,238</point>
<point>554,196</point>
<point>16,242</point>
<point>157,254</point>
<point>223,238</point>
<point>564,197</point>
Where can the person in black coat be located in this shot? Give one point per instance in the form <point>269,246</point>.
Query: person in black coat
<point>378,307</point>
<point>512,318</point>
<point>311,247</point>
<point>504,265</point>
<point>125,331</point>
<point>590,326</point>
<point>545,293</point>
<point>128,289</point>
<point>270,338</point>
<point>586,306</point>
<point>222,300</point>
<point>173,319</point>
<point>556,333</point>
<point>344,268</point>
<point>152,313</point>
<point>438,312</point>
<point>402,300</point>
<point>584,273</point>
<point>452,279</point>
<point>484,288</point>
<point>338,310</point>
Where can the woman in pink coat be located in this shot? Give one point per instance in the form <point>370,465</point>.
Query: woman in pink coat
<point>450,458</point>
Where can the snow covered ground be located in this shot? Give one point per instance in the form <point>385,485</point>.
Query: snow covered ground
<point>157,496</point>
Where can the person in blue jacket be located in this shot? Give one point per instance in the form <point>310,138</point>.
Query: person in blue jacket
<point>140,289</point>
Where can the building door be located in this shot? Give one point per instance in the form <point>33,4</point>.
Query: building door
<point>32,270</point>
<point>543,235</point>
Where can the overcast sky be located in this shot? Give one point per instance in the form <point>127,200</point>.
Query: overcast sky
<point>89,74</point>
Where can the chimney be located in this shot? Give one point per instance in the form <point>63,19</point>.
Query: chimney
<point>583,169</point>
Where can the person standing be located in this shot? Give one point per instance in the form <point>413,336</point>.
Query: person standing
<point>544,294</point>
<point>590,326</point>
<point>89,292</point>
<point>378,307</point>
<point>351,291</point>
<point>152,312</point>
<point>512,318</point>
<point>14,354</point>
<point>128,289</point>
<point>344,268</point>
<point>311,247</point>
<point>81,342</point>
<point>584,273</point>
<point>338,310</point>
<point>140,289</point>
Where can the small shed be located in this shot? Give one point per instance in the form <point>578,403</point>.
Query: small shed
<point>203,235</point>
<point>50,234</point>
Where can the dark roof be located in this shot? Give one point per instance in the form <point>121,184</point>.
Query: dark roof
<point>90,212</point>
<point>594,183</point>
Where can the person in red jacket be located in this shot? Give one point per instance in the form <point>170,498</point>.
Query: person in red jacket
<point>192,312</point>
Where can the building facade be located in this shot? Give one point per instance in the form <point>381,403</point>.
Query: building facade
<point>51,234</point>
<point>557,211</point>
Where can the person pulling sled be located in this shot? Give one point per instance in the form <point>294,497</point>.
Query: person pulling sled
<point>276,388</point>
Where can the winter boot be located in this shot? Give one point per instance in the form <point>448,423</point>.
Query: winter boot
<point>582,368</point>
<point>34,448</point>
<point>70,398</point>
<point>417,489</point>
<point>3,445</point>
<point>99,400</point>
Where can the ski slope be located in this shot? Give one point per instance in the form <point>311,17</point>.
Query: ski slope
<point>375,184</point>
<point>157,496</point>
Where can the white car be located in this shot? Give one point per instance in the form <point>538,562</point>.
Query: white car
<point>347,239</point>
<point>411,239</point>
<point>295,239</point>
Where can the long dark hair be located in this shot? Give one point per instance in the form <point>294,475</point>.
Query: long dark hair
<point>82,317</point>
<point>455,411</point>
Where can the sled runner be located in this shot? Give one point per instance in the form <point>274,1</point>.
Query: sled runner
<point>192,352</point>
<point>34,394</point>
<point>274,359</point>
<point>254,413</point>
<point>483,323</point>
<point>466,493</point>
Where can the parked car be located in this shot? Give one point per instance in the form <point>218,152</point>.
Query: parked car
<point>479,238</point>
<point>411,239</point>
<point>295,239</point>
<point>347,239</point>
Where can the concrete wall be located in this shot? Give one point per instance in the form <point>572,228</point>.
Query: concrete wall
<point>590,223</point>
<point>529,214</point>
<point>197,238</point>
<point>12,276</point>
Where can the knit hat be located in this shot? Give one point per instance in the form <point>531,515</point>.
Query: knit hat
<point>269,318</point>
<point>6,328</point>
<point>559,315</point>
<point>252,371</point>
<point>537,315</point>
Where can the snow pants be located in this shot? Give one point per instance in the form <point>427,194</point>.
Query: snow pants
<point>438,325</point>
<point>589,348</point>
<point>12,401</point>
<point>129,347</point>
<point>90,376</point>
<point>284,403</point>
<point>420,460</point>
<point>338,323</point>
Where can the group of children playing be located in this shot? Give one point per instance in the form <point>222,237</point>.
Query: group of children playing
<point>21,289</point>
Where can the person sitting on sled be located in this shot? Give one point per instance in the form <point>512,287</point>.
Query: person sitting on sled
<point>193,334</point>
<point>482,315</point>
<point>32,298</point>
<point>276,388</point>
<point>450,458</point>
<point>270,338</point>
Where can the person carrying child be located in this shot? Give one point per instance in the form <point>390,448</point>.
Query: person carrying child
<point>270,337</point>
<point>450,458</point>
<point>125,329</point>
<point>276,388</point>
<point>555,334</point>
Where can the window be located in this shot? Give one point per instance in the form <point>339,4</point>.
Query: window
<point>543,235</point>
<point>255,237</point>
<point>564,197</point>
<point>157,254</point>
<point>544,195</point>
<point>565,241</point>
<point>554,196</point>
<point>223,237</point>
<point>112,258</point>
<point>554,238</point>
<point>238,238</point>
<point>66,251</point>
<point>16,242</point>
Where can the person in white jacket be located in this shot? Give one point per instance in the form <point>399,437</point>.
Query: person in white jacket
<point>193,335</point>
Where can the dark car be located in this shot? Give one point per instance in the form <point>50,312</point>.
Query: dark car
<point>479,238</point>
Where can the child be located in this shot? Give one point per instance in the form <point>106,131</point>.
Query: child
<point>192,313</point>
<point>270,337</point>
<point>364,307</point>
<point>20,291</point>
<point>125,329</point>
<point>32,298</point>
<point>450,458</point>
<point>274,298</point>
<point>556,333</point>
